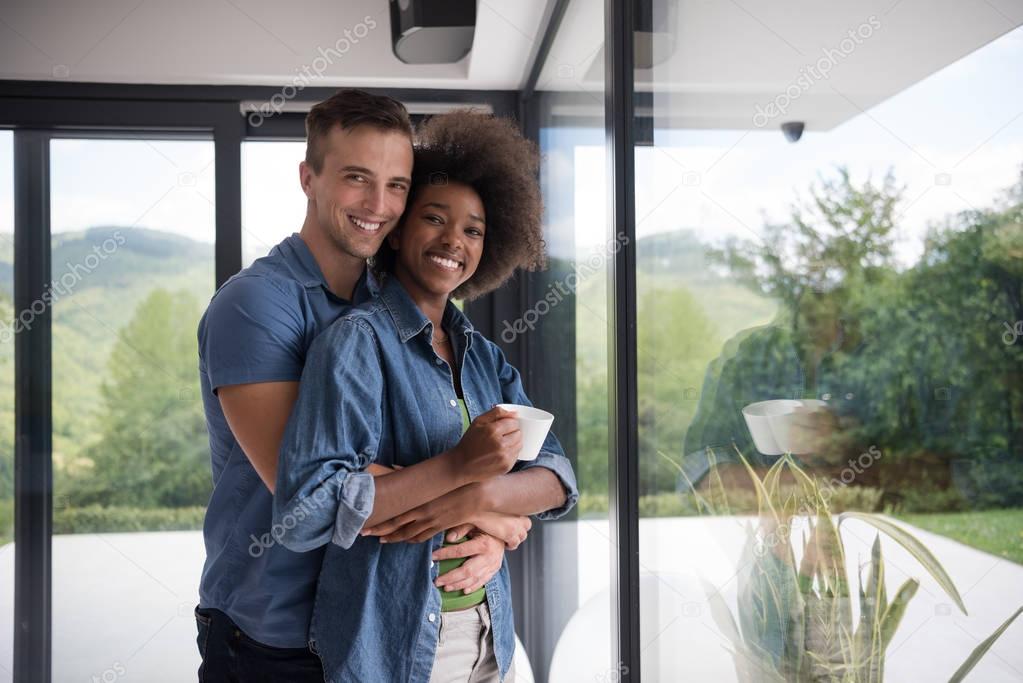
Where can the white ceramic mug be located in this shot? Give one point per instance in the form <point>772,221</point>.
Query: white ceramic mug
<point>783,425</point>
<point>758,418</point>
<point>799,429</point>
<point>535,424</point>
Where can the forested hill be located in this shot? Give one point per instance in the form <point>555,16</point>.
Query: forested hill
<point>99,278</point>
<point>126,305</point>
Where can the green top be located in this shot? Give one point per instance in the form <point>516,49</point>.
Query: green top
<point>451,601</point>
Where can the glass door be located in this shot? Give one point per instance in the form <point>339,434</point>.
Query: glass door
<point>132,271</point>
<point>9,323</point>
<point>829,345</point>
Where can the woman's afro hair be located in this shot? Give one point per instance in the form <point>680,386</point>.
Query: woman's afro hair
<point>489,155</point>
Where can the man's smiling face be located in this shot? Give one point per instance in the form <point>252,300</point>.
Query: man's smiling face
<point>360,192</point>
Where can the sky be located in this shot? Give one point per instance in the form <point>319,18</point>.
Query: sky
<point>963,125</point>
<point>955,139</point>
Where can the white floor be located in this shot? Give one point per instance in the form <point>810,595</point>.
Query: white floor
<point>123,605</point>
<point>681,641</point>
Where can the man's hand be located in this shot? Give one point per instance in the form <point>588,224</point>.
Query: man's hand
<point>511,529</point>
<point>419,524</point>
<point>490,446</point>
<point>485,554</point>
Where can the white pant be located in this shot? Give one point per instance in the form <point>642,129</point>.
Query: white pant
<point>465,648</point>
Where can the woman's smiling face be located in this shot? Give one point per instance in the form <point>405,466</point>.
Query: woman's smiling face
<point>439,242</point>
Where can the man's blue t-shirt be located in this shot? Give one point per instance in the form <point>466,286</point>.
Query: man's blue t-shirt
<point>257,328</point>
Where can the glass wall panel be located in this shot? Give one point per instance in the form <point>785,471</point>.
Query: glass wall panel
<point>273,204</point>
<point>829,274</point>
<point>7,320</point>
<point>564,324</point>
<point>132,253</point>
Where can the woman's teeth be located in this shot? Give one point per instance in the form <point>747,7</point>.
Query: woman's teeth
<point>366,225</point>
<point>445,262</point>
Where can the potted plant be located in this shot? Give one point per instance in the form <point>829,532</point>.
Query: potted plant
<point>795,620</point>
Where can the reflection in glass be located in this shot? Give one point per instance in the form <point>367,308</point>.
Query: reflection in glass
<point>572,336</point>
<point>564,324</point>
<point>827,331</point>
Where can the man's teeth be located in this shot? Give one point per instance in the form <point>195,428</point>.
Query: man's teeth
<point>366,225</point>
<point>445,262</point>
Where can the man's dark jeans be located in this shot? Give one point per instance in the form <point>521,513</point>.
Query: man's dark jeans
<point>230,656</point>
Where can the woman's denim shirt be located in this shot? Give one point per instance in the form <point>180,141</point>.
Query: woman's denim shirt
<point>374,390</point>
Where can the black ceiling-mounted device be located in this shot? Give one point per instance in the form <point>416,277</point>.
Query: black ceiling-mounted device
<point>432,31</point>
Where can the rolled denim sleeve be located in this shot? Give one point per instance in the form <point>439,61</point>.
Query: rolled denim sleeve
<point>552,455</point>
<point>323,492</point>
<point>557,463</point>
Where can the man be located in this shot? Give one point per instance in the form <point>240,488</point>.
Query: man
<point>808,352</point>
<point>256,596</point>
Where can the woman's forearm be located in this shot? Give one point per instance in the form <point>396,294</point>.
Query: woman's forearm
<point>527,492</point>
<point>522,493</point>
<point>410,487</point>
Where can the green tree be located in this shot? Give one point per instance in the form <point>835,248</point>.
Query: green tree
<point>944,390</point>
<point>962,396</point>
<point>841,237</point>
<point>7,398</point>
<point>153,447</point>
<point>835,246</point>
<point>591,385</point>
<point>675,342</point>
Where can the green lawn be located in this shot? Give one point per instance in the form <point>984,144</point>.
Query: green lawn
<point>999,532</point>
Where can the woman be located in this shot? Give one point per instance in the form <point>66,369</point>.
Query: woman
<point>396,382</point>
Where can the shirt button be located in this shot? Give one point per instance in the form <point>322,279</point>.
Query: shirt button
<point>432,617</point>
<point>826,397</point>
<point>453,403</point>
<point>849,396</point>
<point>439,361</point>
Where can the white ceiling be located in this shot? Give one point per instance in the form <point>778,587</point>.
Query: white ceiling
<point>252,42</point>
<point>729,56</point>
<point>726,56</point>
